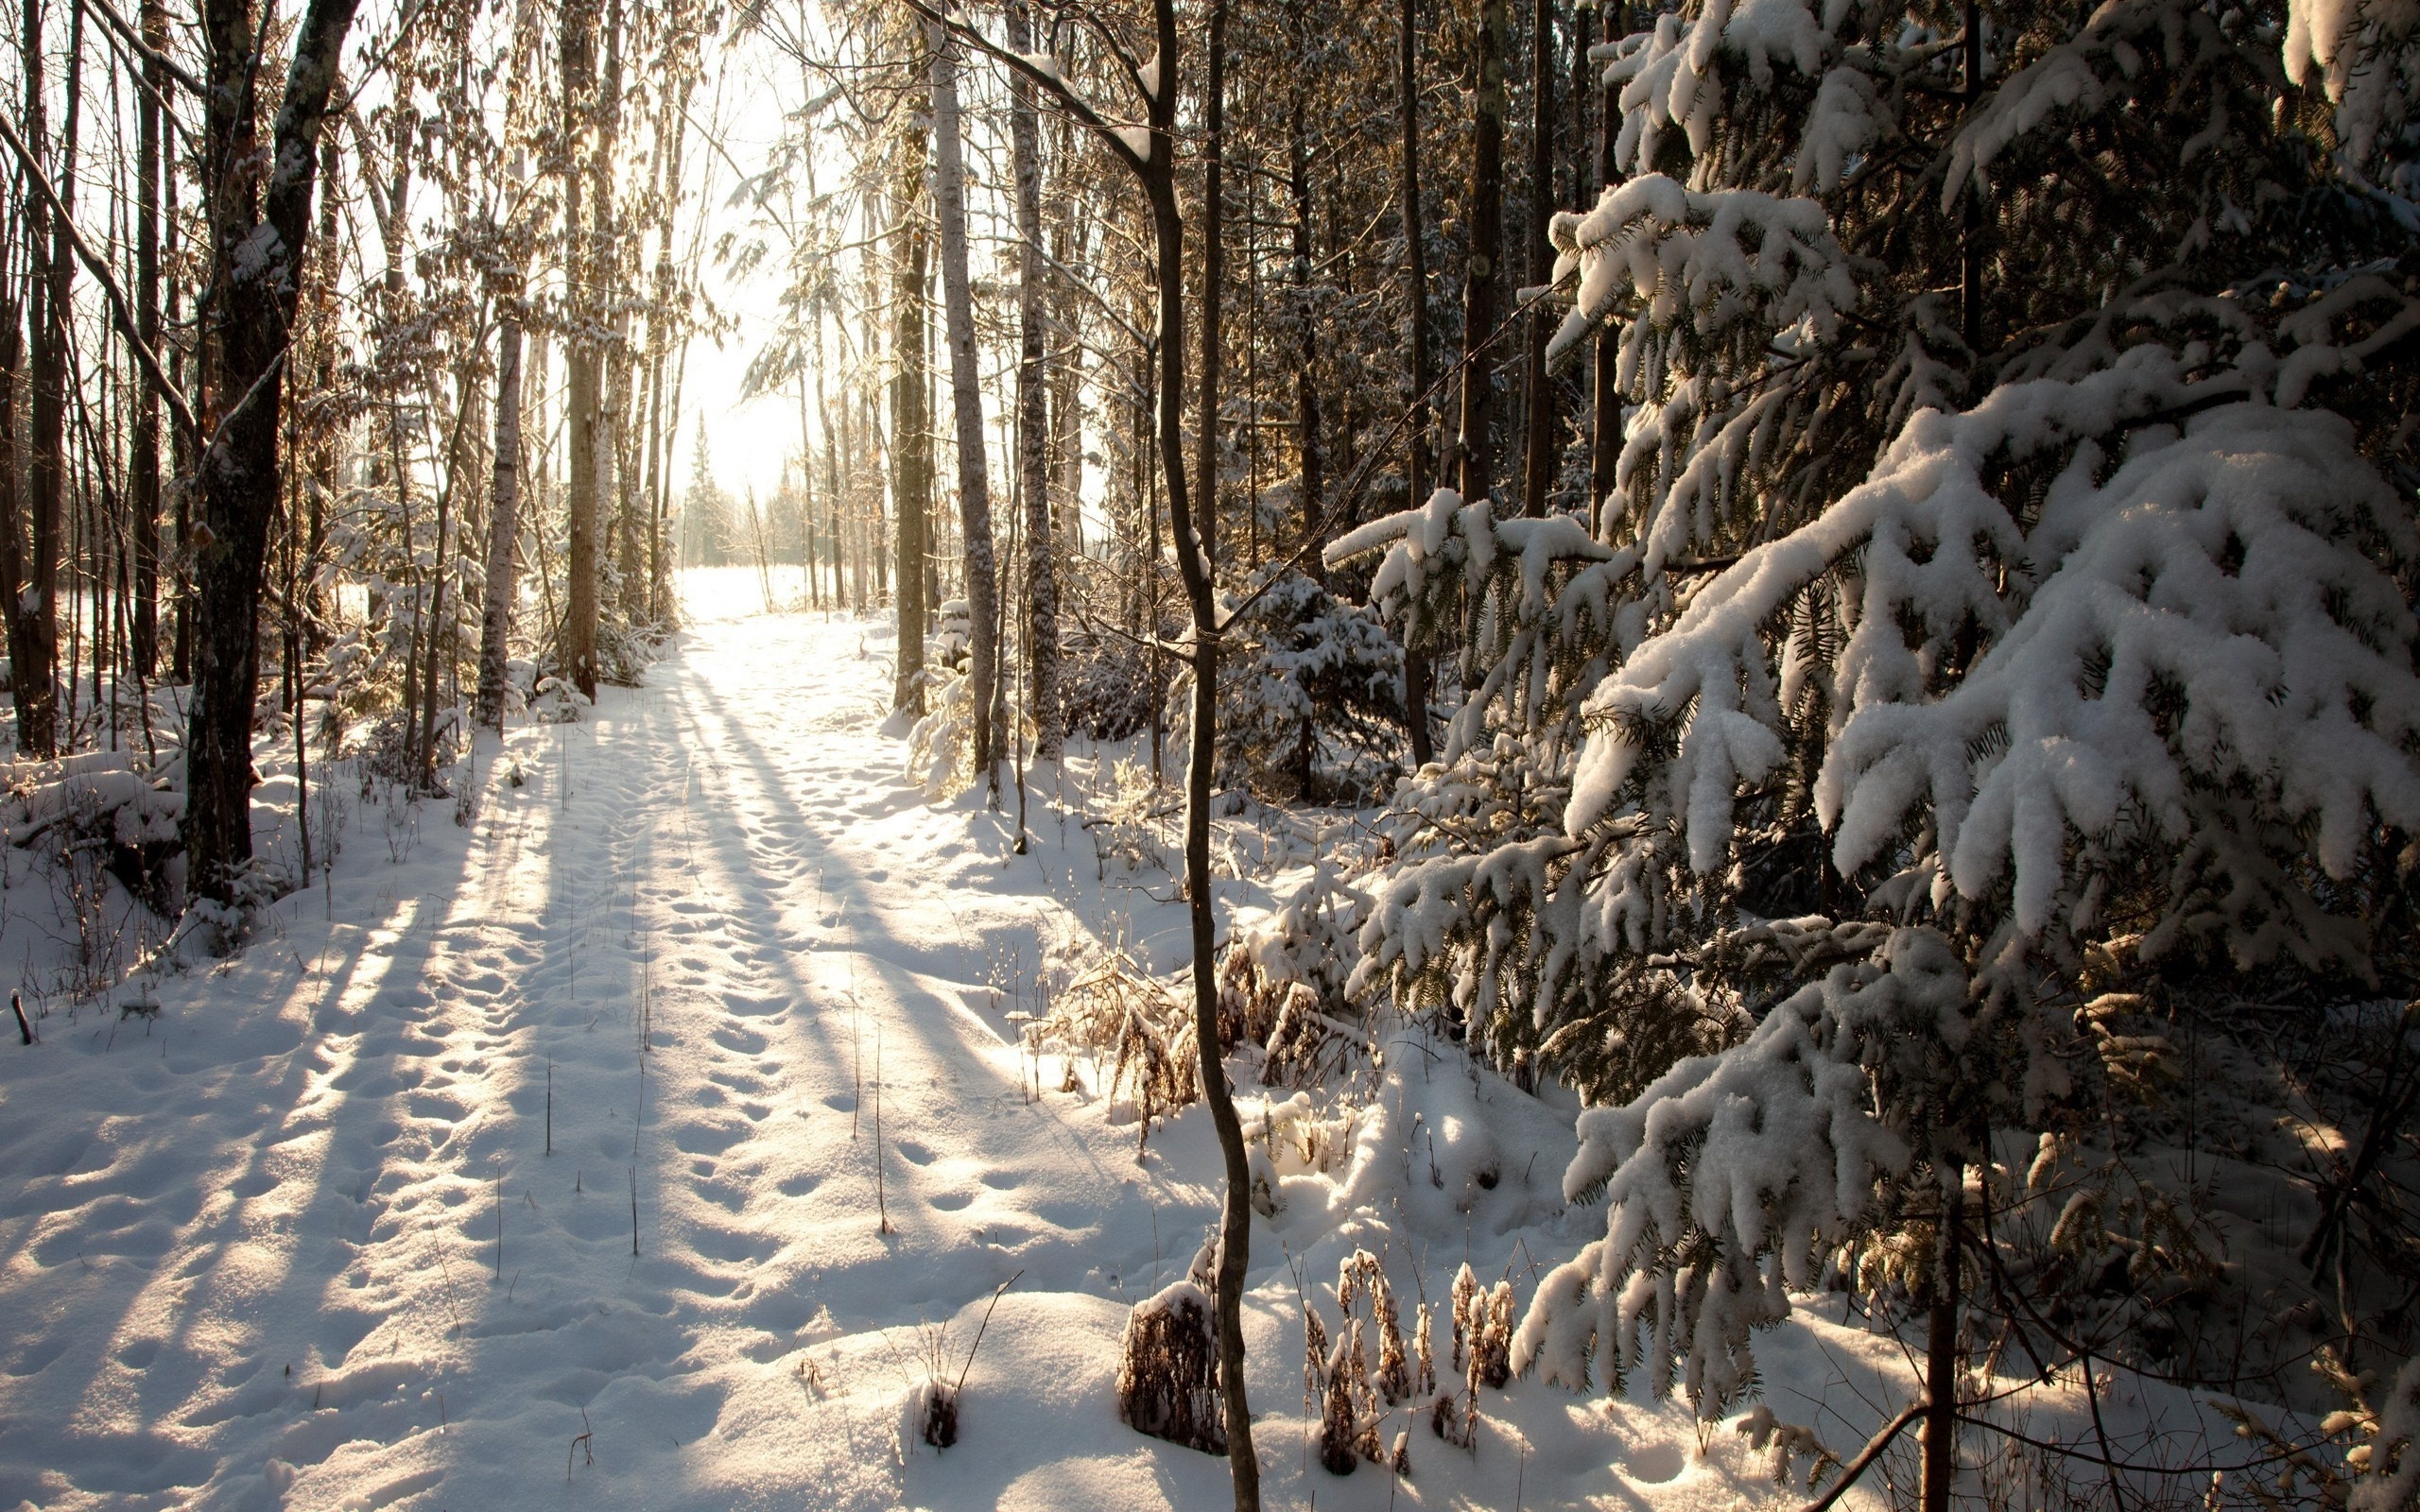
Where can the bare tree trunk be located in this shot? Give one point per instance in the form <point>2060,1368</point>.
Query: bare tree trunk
<point>974,476</point>
<point>620,476</point>
<point>1033,411</point>
<point>1537,397</point>
<point>1415,273</point>
<point>142,451</point>
<point>1195,565</point>
<point>1940,1353</point>
<point>1067,387</point>
<point>504,517</point>
<point>255,282</point>
<point>50,265</point>
<point>1605,438</point>
<point>1307,390</point>
<point>13,511</point>
<point>1481,280</point>
<point>582,358</point>
<point>672,130</point>
<point>912,441</point>
<point>1213,274</point>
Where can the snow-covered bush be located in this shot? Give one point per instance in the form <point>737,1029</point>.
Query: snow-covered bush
<point>1282,981</point>
<point>940,746</point>
<point>2010,567</point>
<point>1106,682</point>
<point>1168,1369</point>
<point>1302,667</point>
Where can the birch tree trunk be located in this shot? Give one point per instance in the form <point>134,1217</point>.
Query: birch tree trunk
<point>1033,413</point>
<point>578,654</point>
<point>912,441</point>
<point>966,395</point>
<point>614,482</point>
<point>503,518</point>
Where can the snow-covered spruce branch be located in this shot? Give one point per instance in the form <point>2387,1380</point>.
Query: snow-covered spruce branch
<point>1738,1176</point>
<point>2207,620</point>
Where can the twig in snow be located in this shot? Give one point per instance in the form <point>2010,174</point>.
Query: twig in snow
<point>998,1293</point>
<point>881,1203</point>
<point>1871,1451</point>
<point>580,1444</point>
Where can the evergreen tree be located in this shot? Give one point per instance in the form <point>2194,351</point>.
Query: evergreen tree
<point>2006,585</point>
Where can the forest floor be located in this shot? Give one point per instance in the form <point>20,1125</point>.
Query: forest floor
<point>651,1140</point>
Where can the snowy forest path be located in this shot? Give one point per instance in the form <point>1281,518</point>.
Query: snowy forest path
<point>672,1100</point>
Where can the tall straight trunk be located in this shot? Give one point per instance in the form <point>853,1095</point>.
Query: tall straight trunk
<point>662,580</point>
<point>504,517</point>
<point>1033,403</point>
<point>966,394</point>
<point>1940,1351</point>
<point>441,642</point>
<point>255,282</point>
<point>1415,277</point>
<point>13,511</point>
<point>1537,395</point>
<point>1307,389</point>
<point>1213,276</point>
<point>674,125</point>
<point>650,491</point>
<point>1482,275</point>
<point>1605,436</point>
<point>912,440</point>
<point>1068,379</point>
<point>181,445</point>
<point>614,480</point>
<point>849,568</point>
<point>142,446</point>
<point>50,266</point>
<point>1970,240</point>
<point>582,358</point>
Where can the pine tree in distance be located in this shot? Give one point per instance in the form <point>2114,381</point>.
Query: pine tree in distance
<point>2006,591</point>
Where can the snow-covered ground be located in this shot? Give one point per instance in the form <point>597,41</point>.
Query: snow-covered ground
<point>300,1240</point>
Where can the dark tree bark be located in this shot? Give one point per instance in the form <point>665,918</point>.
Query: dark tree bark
<point>259,214</point>
<point>1306,391</point>
<point>50,281</point>
<point>143,446</point>
<point>1941,1354</point>
<point>1605,436</point>
<point>1482,273</point>
<point>1213,274</point>
<point>1537,395</point>
<point>1415,276</point>
<point>13,511</point>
